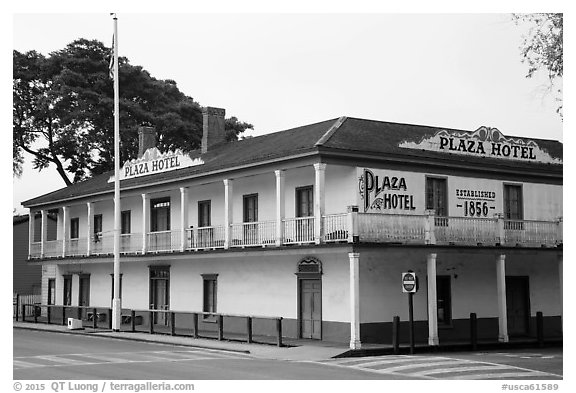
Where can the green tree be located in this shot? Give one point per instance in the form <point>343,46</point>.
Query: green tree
<point>542,48</point>
<point>63,111</point>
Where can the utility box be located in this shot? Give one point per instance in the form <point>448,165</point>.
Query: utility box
<point>75,324</point>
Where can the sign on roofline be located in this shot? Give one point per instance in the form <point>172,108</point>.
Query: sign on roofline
<point>153,162</point>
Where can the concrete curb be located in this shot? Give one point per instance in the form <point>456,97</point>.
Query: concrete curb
<point>103,335</point>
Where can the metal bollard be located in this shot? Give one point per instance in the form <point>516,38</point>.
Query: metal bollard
<point>249,329</point>
<point>396,334</point>
<point>23,313</point>
<point>64,315</point>
<point>151,315</point>
<point>473,331</point>
<point>172,323</point>
<point>195,325</point>
<point>220,320</point>
<point>133,320</point>
<point>540,328</point>
<point>279,331</point>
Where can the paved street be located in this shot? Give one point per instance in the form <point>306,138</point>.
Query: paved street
<point>48,355</point>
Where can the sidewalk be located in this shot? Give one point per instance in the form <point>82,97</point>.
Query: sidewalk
<point>294,349</point>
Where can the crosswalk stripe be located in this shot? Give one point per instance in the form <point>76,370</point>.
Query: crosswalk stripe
<point>394,361</point>
<point>354,360</point>
<point>22,364</point>
<point>61,360</point>
<point>522,375</point>
<point>459,369</point>
<point>104,358</point>
<point>423,365</point>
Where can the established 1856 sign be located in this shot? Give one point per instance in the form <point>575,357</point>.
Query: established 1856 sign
<point>409,282</point>
<point>484,142</point>
<point>153,161</point>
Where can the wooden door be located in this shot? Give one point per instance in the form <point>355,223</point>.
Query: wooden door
<point>311,309</point>
<point>518,305</point>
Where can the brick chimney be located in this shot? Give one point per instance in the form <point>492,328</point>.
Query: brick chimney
<point>212,127</point>
<point>146,139</point>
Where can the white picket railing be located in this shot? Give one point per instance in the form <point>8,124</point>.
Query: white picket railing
<point>163,241</point>
<point>53,248</point>
<point>253,234</point>
<point>336,227</point>
<point>102,244</point>
<point>205,238</point>
<point>131,243</point>
<point>35,249</point>
<point>299,230</point>
<point>405,228</point>
<point>76,247</point>
<point>466,231</point>
<point>531,233</point>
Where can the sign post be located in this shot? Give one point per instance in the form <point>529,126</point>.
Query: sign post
<point>410,286</point>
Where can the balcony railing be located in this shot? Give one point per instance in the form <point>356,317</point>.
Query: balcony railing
<point>163,241</point>
<point>254,234</point>
<point>344,227</point>
<point>299,230</point>
<point>205,238</point>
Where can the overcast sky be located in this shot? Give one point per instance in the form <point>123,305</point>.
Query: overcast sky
<point>279,71</point>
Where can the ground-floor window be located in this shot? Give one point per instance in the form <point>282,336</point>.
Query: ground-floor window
<point>160,292</point>
<point>67,298</point>
<point>51,291</point>
<point>444,300</point>
<point>210,289</point>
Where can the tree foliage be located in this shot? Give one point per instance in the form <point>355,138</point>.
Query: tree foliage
<point>542,46</point>
<point>63,111</point>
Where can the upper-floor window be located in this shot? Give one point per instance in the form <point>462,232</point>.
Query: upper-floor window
<point>160,214</point>
<point>251,208</point>
<point>97,225</point>
<point>437,196</point>
<point>204,214</point>
<point>125,221</point>
<point>74,228</point>
<point>305,201</point>
<point>513,209</point>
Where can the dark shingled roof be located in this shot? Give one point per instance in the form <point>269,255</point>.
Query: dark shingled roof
<point>344,134</point>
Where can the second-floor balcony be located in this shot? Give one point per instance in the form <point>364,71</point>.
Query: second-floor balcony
<point>352,227</point>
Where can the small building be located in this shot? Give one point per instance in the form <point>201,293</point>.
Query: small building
<point>26,277</point>
<point>317,224</point>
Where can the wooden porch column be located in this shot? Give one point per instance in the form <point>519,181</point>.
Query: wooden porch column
<point>183,216</point>
<point>432,301</point>
<point>354,300</point>
<point>280,205</point>
<point>319,201</point>
<point>43,232</point>
<point>228,211</point>
<point>90,208</point>
<point>65,228</point>
<point>145,221</point>
<point>31,223</point>
<point>501,286</point>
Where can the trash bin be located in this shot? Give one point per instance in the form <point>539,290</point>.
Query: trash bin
<point>75,324</point>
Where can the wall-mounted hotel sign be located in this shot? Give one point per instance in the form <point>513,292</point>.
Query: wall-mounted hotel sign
<point>153,161</point>
<point>382,191</point>
<point>484,142</point>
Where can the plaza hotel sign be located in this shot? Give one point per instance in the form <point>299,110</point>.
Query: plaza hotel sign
<point>484,142</point>
<point>153,162</point>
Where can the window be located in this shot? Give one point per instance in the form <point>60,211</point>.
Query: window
<point>437,199</point>
<point>84,290</point>
<point>125,221</point>
<point>513,209</point>
<point>97,226</point>
<point>444,300</point>
<point>204,214</point>
<point>210,289</point>
<point>74,228</point>
<point>67,299</point>
<point>251,208</point>
<point>305,201</point>
<point>51,291</point>
<point>160,214</point>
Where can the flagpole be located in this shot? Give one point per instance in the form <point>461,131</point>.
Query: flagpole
<point>117,302</point>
